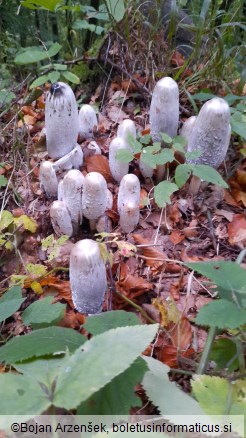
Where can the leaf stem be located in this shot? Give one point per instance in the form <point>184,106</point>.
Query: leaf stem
<point>206,352</point>
<point>143,313</point>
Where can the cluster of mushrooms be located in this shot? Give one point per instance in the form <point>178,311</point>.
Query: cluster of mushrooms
<point>87,196</point>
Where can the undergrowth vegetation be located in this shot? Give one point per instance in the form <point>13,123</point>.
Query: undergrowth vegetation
<point>112,53</point>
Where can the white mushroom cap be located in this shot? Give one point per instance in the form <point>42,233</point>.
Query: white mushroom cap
<point>72,159</point>
<point>117,168</point>
<point>124,129</point>
<point>61,120</point>
<point>164,109</point>
<point>109,200</point>
<point>61,219</point>
<point>187,127</point>
<point>87,121</point>
<point>211,132</point>
<point>129,216</point>
<point>72,196</point>
<point>94,199</point>
<point>87,277</point>
<point>129,191</point>
<point>48,179</point>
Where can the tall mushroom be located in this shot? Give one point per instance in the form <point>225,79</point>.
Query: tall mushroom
<point>61,219</point>
<point>72,188</point>
<point>87,122</point>
<point>117,168</point>
<point>128,202</point>
<point>126,129</point>
<point>94,199</point>
<point>87,277</point>
<point>61,120</point>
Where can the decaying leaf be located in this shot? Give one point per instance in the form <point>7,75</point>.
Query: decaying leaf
<point>237,230</point>
<point>99,163</point>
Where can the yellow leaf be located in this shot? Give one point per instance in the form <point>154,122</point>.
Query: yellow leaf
<point>6,219</point>
<point>37,270</point>
<point>105,254</point>
<point>37,288</point>
<point>9,245</point>
<point>28,223</point>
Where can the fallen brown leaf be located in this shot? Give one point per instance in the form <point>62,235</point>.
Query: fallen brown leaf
<point>237,230</point>
<point>176,237</point>
<point>99,163</point>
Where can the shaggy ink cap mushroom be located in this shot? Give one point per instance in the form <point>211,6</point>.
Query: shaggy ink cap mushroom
<point>125,129</point>
<point>61,120</point>
<point>94,199</point>
<point>118,169</point>
<point>87,121</point>
<point>72,189</point>
<point>61,219</point>
<point>48,179</point>
<point>88,278</point>
<point>128,202</point>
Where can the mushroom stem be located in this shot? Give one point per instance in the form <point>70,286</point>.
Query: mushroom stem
<point>194,186</point>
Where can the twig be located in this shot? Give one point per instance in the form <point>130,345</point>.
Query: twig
<point>152,321</point>
<point>211,229</point>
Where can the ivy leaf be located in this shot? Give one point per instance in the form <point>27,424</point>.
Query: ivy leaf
<point>124,155</point>
<point>163,191</point>
<point>209,174</point>
<point>182,174</point>
<point>222,314</point>
<point>98,324</point>
<point>43,313</point>
<point>93,362</point>
<point>10,302</point>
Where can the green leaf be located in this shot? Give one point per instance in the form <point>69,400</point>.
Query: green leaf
<point>98,324</point>
<point>228,276</point>
<point>35,54</point>
<point>223,350</point>
<point>164,394</point>
<point>54,76</point>
<point>122,345</point>
<point>22,395</point>
<point>60,67</point>
<point>10,302</point>
<point>124,155</point>
<point>145,139</point>
<point>54,49</point>
<point>39,81</point>
<point>3,181</point>
<point>32,96</point>
<point>136,146</point>
<point>238,127</point>
<point>39,343</point>
<point>182,174</point>
<point>163,191</point>
<point>117,397</point>
<point>71,77</point>
<point>165,156</point>
<point>203,96</point>
<point>28,223</point>
<point>5,219</point>
<point>179,143</point>
<point>48,242</point>
<point>6,96</point>
<point>42,313</point>
<point>193,155</point>
<point>116,9</point>
<point>62,239</point>
<point>209,174</point>
<point>50,5</point>
<point>166,138</point>
<point>222,314</point>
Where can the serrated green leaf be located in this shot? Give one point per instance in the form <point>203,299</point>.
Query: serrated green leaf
<point>42,313</point>
<point>10,302</point>
<point>222,314</point>
<point>3,181</point>
<point>39,81</point>
<point>39,343</point>
<point>163,191</point>
<point>36,269</point>
<point>98,324</point>
<point>209,174</point>
<point>54,76</point>
<point>117,397</point>
<point>6,219</point>
<point>71,77</point>
<point>223,351</point>
<point>124,155</point>
<point>93,362</point>
<point>164,394</point>
<point>28,223</point>
<point>182,174</point>
<point>165,156</point>
<point>166,138</point>
<point>22,395</point>
<point>228,276</point>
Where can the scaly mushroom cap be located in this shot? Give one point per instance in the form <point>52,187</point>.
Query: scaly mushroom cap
<point>129,216</point>
<point>72,195</point>
<point>48,179</point>
<point>61,219</point>
<point>124,129</point>
<point>187,128</point>
<point>211,132</point>
<point>87,121</point>
<point>164,109</point>
<point>129,191</point>
<point>94,199</point>
<point>61,120</point>
<point>87,277</point>
<point>117,168</point>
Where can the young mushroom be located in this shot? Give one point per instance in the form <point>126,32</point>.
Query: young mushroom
<point>72,159</point>
<point>48,179</point>
<point>87,277</point>
<point>61,120</point>
<point>72,188</point>
<point>117,168</point>
<point>128,202</point>
<point>87,122</point>
<point>187,128</point>
<point>125,129</point>
<point>94,199</point>
<point>61,219</point>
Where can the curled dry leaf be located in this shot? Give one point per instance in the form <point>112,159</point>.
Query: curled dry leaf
<point>72,320</point>
<point>176,237</point>
<point>237,230</point>
<point>99,163</point>
<point>130,285</point>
